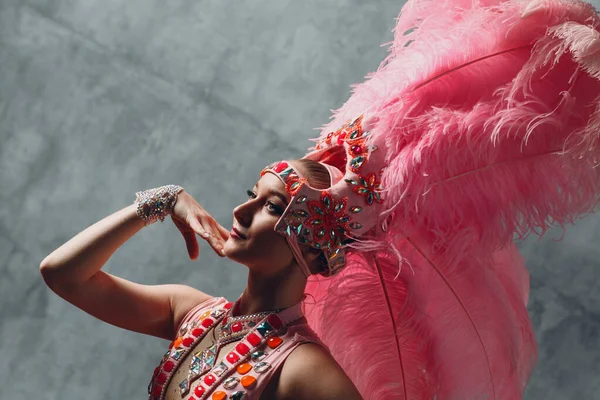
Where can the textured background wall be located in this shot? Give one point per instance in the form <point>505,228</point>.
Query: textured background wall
<point>99,99</point>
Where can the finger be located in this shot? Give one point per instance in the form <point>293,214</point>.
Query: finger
<point>192,244</point>
<point>213,240</point>
<point>197,226</point>
<point>216,242</point>
<point>224,232</point>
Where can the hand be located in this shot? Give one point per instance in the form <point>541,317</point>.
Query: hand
<point>191,219</point>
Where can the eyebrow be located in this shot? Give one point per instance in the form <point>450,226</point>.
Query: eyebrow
<point>275,193</point>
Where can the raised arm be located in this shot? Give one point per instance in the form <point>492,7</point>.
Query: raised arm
<point>73,271</point>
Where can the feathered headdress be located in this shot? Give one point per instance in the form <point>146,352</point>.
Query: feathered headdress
<point>488,114</point>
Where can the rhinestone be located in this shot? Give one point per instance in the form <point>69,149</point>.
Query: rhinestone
<point>262,367</point>
<point>239,395</point>
<point>230,382</point>
<point>357,162</point>
<point>194,372</point>
<point>217,313</point>
<point>264,328</point>
<point>257,355</point>
<point>220,369</point>
<point>355,225</point>
<point>300,213</point>
<point>301,199</point>
<point>184,387</point>
<point>339,207</point>
<point>183,329</point>
<point>355,209</point>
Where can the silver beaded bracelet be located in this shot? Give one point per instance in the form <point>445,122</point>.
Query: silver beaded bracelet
<point>155,204</point>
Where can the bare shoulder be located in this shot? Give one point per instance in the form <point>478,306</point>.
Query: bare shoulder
<point>310,372</point>
<point>183,299</point>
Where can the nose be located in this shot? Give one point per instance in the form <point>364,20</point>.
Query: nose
<point>239,215</point>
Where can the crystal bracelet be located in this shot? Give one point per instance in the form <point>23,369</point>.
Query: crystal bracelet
<point>156,204</point>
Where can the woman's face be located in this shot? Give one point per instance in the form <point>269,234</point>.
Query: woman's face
<point>263,249</point>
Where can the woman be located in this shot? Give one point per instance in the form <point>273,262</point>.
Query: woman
<point>275,282</point>
<point>481,123</point>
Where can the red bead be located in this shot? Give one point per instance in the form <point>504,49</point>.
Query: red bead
<point>197,332</point>
<point>169,366</point>
<point>228,305</point>
<point>156,390</point>
<point>280,167</point>
<point>236,327</point>
<point>340,139</point>
<point>161,378</point>
<point>242,348</point>
<point>209,379</point>
<point>207,322</point>
<point>356,149</point>
<point>232,357</point>
<point>253,339</point>
<point>188,341</point>
<point>224,320</point>
<point>199,391</point>
<point>274,321</point>
<point>156,370</point>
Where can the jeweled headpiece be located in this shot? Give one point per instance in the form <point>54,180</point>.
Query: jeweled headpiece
<point>350,207</point>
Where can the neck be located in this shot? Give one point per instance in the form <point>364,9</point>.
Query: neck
<point>272,292</point>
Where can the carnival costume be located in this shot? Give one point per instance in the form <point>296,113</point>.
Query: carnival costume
<point>482,123</point>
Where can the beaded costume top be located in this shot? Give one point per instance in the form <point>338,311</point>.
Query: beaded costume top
<point>190,369</point>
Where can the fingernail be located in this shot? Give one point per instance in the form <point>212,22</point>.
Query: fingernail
<point>222,252</point>
<point>205,234</point>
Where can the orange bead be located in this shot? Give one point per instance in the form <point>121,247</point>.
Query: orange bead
<point>248,381</point>
<point>274,341</point>
<point>219,395</point>
<point>206,314</point>
<point>244,368</point>
<point>178,341</point>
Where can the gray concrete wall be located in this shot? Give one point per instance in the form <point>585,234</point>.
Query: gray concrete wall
<point>100,99</point>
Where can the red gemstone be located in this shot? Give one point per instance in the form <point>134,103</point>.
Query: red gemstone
<point>228,305</point>
<point>340,139</point>
<point>156,390</point>
<point>242,348</point>
<point>199,391</point>
<point>156,370</point>
<point>232,357</point>
<point>274,321</point>
<point>209,379</point>
<point>197,332</point>
<point>253,339</point>
<point>356,149</point>
<point>236,327</point>
<point>161,378</point>
<point>188,341</point>
<point>207,322</point>
<point>224,321</point>
<point>280,167</point>
<point>169,366</point>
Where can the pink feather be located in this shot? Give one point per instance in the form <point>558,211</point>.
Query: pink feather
<point>490,115</point>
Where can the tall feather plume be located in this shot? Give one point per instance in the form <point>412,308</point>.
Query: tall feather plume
<point>490,115</point>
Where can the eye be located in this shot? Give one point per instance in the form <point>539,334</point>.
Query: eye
<point>274,208</point>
